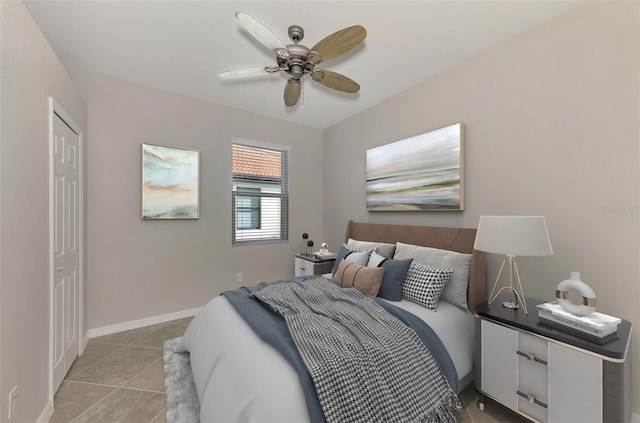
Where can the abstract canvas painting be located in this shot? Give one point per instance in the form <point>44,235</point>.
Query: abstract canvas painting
<point>170,182</point>
<point>424,172</point>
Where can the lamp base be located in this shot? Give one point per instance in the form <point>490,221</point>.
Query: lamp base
<point>517,295</point>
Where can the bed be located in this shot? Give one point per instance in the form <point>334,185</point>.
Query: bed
<point>239,377</point>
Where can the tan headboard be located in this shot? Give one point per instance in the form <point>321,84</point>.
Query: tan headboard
<point>460,240</point>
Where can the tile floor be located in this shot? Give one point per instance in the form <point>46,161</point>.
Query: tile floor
<point>120,379</point>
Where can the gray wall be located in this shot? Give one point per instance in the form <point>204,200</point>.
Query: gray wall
<point>29,73</point>
<point>139,269</point>
<point>552,128</point>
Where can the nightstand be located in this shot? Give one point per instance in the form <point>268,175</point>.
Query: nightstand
<point>548,375</point>
<point>310,264</point>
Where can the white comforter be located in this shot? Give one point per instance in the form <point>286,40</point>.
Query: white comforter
<point>240,378</point>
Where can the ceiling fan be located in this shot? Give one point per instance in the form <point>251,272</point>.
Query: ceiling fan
<point>298,60</point>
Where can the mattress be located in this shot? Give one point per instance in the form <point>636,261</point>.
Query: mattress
<point>455,328</point>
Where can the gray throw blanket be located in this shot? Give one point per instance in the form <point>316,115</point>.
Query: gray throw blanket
<point>366,365</point>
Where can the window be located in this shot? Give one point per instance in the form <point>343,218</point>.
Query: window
<point>259,194</point>
<point>248,209</point>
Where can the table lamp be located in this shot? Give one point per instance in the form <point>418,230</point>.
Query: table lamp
<point>512,236</point>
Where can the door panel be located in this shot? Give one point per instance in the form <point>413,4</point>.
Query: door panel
<point>65,254</point>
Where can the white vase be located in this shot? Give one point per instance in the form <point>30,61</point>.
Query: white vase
<point>589,299</point>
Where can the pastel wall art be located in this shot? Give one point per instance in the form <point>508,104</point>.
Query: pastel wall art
<point>170,182</point>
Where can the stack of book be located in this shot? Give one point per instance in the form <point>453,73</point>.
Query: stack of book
<point>597,327</point>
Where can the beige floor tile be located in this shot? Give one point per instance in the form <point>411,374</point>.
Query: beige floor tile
<point>161,418</point>
<point>150,379</point>
<point>93,353</point>
<point>128,337</point>
<point>125,406</point>
<point>157,337</point>
<point>73,399</point>
<point>120,367</point>
<point>493,412</point>
<point>464,417</point>
<point>184,321</point>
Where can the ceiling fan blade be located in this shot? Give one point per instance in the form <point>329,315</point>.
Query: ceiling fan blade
<point>338,43</point>
<point>292,92</point>
<point>260,32</point>
<point>248,72</point>
<point>335,80</point>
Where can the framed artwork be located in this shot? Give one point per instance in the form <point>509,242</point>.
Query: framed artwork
<point>170,182</point>
<point>424,172</point>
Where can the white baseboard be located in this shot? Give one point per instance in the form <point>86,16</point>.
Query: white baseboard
<point>135,324</point>
<point>46,413</point>
<point>85,341</point>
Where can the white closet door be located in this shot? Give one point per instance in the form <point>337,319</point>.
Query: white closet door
<point>65,262</point>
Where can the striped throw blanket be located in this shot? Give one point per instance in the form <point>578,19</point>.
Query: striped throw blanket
<point>366,365</point>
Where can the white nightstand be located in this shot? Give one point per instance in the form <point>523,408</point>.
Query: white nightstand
<point>313,265</point>
<point>548,375</point>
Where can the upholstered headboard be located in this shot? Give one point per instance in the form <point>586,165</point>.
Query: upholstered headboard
<point>460,240</point>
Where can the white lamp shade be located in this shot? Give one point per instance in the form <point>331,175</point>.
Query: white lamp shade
<point>513,235</point>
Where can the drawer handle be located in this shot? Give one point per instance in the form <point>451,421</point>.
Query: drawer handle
<point>532,399</point>
<point>531,357</point>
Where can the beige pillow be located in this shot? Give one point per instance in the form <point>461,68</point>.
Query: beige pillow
<point>365,279</point>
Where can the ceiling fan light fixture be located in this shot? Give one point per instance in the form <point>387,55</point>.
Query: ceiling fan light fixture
<point>298,60</point>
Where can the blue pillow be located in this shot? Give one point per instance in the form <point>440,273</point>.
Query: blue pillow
<point>344,251</point>
<point>395,271</point>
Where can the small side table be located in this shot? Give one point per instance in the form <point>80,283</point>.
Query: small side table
<point>548,375</point>
<point>310,264</point>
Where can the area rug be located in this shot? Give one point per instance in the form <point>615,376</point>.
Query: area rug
<point>182,402</point>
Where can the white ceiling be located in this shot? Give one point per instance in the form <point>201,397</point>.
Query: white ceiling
<point>181,46</point>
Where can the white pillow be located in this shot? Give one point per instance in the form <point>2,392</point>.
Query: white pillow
<point>358,257</point>
<point>385,250</point>
<point>455,292</point>
<point>375,260</point>
<point>424,284</point>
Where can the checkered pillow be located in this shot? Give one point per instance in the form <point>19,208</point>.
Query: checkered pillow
<point>424,284</point>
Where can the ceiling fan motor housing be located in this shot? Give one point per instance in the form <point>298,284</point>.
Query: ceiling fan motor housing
<point>296,65</point>
<point>296,71</point>
<point>298,51</point>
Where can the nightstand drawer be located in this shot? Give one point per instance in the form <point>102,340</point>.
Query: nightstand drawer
<point>533,389</point>
<point>533,380</point>
<point>309,266</point>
